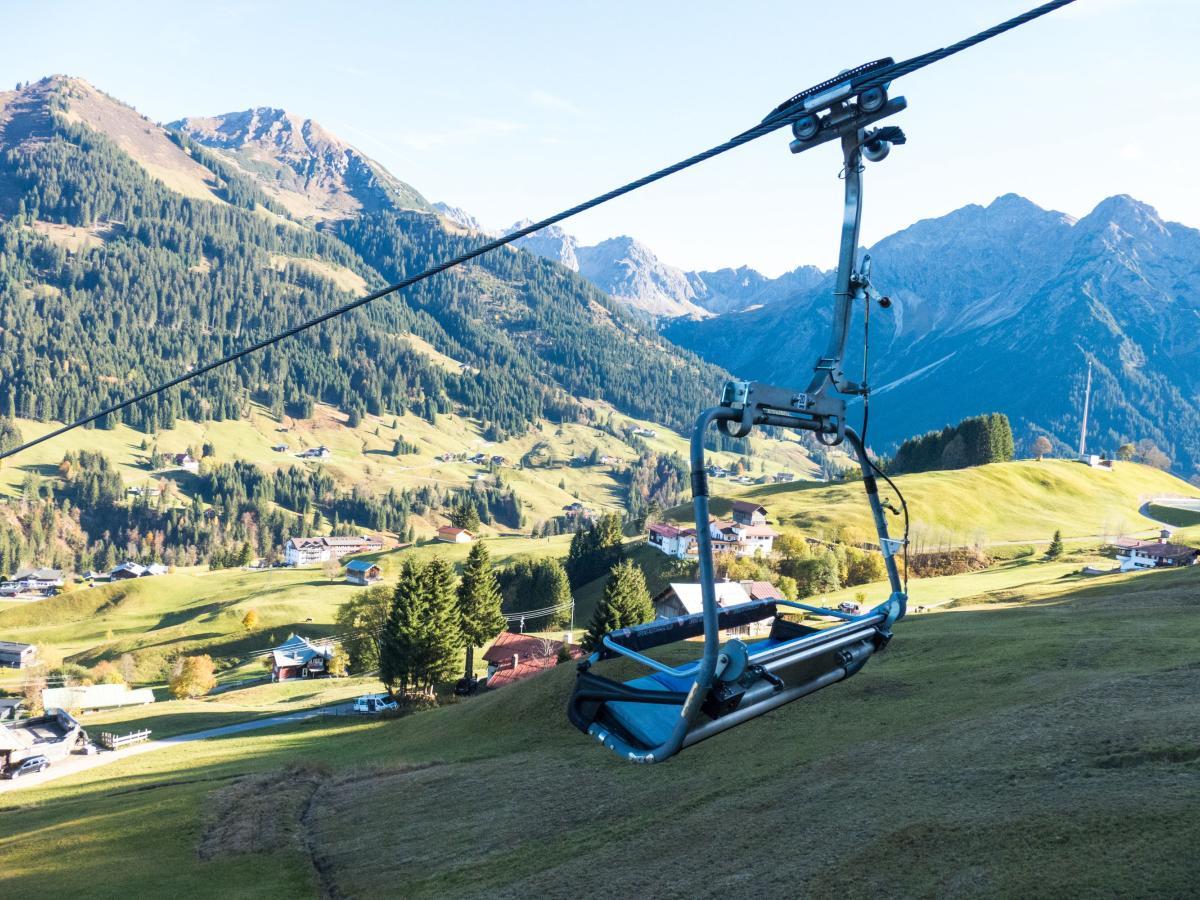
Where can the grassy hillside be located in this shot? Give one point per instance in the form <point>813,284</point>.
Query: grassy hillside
<point>363,455</point>
<point>198,609</point>
<point>1016,749</point>
<point>1001,502</point>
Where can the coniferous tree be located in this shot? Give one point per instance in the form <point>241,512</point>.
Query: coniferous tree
<point>440,636</point>
<point>399,659</point>
<point>465,515</point>
<point>480,616</point>
<point>1055,550</point>
<point>626,602</point>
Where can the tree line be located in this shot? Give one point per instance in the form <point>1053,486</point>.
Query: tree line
<point>975,441</point>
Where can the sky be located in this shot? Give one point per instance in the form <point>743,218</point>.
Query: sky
<point>517,110</point>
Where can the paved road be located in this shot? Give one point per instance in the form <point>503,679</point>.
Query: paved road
<point>79,763</point>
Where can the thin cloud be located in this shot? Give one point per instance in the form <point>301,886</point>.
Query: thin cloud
<point>472,131</point>
<point>548,100</point>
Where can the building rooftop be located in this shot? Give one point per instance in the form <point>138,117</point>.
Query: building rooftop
<point>729,593</point>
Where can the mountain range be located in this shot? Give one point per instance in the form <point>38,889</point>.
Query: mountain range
<point>101,225</point>
<point>630,272</point>
<point>130,252</point>
<point>1002,308</point>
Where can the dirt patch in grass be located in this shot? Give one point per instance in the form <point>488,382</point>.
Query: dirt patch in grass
<point>260,813</point>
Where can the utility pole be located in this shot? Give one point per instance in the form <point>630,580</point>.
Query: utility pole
<point>1087,398</point>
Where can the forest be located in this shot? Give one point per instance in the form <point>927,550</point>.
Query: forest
<point>178,281</point>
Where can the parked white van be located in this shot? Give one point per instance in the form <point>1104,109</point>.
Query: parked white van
<point>373,703</point>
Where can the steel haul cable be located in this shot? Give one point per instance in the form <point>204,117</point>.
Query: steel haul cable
<point>773,122</point>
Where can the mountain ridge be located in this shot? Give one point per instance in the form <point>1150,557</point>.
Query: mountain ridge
<point>1001,307</point>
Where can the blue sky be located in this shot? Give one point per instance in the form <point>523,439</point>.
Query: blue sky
<point>517,110</point>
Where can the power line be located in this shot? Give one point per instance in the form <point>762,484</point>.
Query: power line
<point>772,122</point>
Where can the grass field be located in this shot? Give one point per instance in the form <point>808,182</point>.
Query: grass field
<point>363,455</point>
<point>202,610</point>
<point>1017,501</point>
<point>1044,746</point>
<point>1183,516</point>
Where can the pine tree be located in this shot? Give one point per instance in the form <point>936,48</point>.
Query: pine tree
<point>1055,549</point>
<point>398,654</point>
<point>440,637</point>
<point>465,515</point>
<point>626,602</point>
<point>480,616</point>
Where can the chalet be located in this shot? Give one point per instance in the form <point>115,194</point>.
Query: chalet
<point>33,581</point>
<point>187,462</point>
<point>301,551</point>
<point>143,492</point>
<point>673,541</point>
<point>131,569</point>
<point>685,600</point>
<point>451,535</point>
<point>746,513</point>
<point>280,448</point>
<point>299,657</point>
<point>514,657</point>
<point>1134,554</point>
<point>17,656</point>
<point>609,460</point>
<point>643,432</point>
<point>321,452</point>
<point>783,477</point>
<point>1097,462</point>
<point>740,539</point>
<point>127,570</point>
<point>362,571</point>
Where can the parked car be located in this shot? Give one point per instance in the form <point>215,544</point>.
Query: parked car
<point>464,687</point>
<point>374,703</point>
<point>27,766</point>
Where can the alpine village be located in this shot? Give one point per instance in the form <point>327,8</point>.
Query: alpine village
<point>344,538</point>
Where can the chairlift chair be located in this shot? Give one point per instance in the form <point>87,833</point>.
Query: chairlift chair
<point>652,717</point>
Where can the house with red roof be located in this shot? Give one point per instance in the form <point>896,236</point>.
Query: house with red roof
<point>1134,554</point>
<point>450,535</point>
<point>672,540</point>
<point>514,657</point>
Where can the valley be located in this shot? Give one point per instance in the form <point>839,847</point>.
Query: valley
<point>320,610</point>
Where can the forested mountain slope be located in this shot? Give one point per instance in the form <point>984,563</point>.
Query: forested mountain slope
<point>129,253</point>
<point>1000,309</point>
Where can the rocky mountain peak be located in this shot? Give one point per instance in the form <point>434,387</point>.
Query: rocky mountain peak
<point>309,170</point>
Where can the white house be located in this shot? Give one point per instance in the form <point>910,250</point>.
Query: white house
<point>673,541</point>
<point>33,581</point>
<point>1134,554</point>
<point>302,551</point>
<point>741,539</point>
